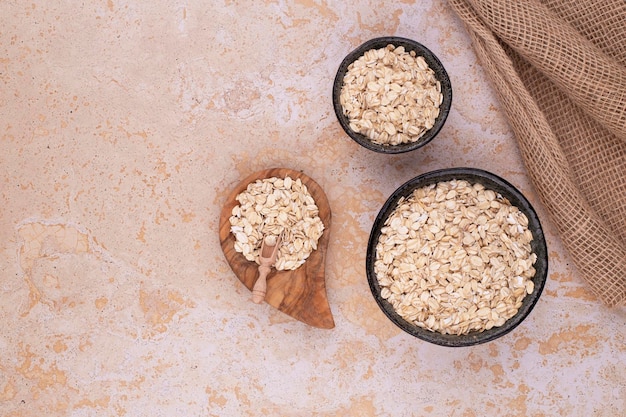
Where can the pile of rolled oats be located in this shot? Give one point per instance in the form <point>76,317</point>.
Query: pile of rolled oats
<point>455,257</point>
<point>391,96</point>
<point>273,207</point>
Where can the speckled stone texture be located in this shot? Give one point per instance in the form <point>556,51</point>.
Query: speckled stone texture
<point>124,126</point>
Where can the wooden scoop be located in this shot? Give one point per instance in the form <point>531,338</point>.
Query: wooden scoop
<point>267,258</point>
<point>299,293</point>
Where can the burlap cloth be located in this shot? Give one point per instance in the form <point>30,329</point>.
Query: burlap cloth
<point>559,69</point>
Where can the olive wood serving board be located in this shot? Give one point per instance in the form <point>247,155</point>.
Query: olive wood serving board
<point>300,293</point>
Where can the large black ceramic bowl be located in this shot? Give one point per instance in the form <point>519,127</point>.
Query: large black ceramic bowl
<point>538,246</point>
<point>432,61</point>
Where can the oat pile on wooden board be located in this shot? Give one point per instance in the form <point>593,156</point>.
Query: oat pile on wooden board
<point>272,207</point>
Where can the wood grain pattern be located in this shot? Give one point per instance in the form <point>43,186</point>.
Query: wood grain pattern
<point>300,293</point>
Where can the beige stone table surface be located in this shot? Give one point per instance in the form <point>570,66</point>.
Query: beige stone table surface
<point>124,126</point>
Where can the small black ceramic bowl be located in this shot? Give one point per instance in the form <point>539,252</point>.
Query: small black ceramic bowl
<point>538,246</point>
<point>432,61</point>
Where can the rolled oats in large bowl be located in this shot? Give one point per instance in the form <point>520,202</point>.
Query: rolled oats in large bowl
<point>457,257</point>
<point>391,95</point>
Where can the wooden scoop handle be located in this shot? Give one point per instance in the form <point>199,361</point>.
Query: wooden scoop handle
<point>267,257</point>
<point>260,286</point>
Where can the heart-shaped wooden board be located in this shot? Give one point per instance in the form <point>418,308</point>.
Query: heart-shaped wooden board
<point>299,293</point>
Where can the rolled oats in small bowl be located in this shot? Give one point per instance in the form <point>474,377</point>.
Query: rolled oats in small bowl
<point>392,95</point>
<point>457,257</point>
